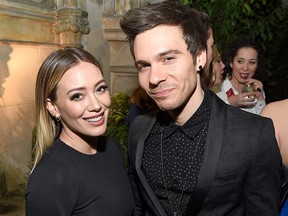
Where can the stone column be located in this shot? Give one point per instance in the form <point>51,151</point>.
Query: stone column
<point>70,22</point>
<point>3,185</point>
<point>124,76</point>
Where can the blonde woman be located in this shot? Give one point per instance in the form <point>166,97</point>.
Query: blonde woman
<point>77,170</point>
<point>213,77</point>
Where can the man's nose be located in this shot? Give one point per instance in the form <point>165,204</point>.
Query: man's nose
<point>157,75</point>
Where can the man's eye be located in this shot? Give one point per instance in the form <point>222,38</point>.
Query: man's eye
<point>142,67</point>
<point>169,58</point>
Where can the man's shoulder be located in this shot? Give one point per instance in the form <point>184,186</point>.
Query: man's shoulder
<point>244,115</point>
<point>235,114</point>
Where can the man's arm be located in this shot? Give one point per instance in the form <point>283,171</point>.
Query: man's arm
<point>263,184</point>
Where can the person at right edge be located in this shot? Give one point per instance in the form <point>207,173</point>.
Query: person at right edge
<point>196,155</point>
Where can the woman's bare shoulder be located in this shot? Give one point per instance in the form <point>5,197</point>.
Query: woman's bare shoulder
<point>274,109</point>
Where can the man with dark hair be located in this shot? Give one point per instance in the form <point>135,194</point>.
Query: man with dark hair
<point>195,155</point>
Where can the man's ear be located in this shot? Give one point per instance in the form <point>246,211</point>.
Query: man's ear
<point>52,108</point>
<point>201,60</point>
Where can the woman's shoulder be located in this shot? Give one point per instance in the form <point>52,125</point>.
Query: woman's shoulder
<point>276,109</point>
<point>276,105</point>
<point>54,161</point>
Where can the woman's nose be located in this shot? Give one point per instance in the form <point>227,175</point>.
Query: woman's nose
<point>245,65</point>
<point>94,103</point>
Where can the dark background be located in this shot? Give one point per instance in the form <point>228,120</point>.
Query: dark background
<point>264,21</point>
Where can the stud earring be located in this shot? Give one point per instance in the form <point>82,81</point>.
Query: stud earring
<point>200,67</point>
<point>58,118</point>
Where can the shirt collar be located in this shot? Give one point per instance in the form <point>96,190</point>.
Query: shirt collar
<point>196,121</point>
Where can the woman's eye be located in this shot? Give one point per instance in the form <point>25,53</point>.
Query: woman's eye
<point>102,88</point>
<point>253,62</point>
<point>240,61</point>
<point>76,97</point>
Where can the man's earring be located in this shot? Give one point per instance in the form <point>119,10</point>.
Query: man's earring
<point>200,67</point>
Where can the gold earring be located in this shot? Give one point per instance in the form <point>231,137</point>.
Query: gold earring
<point>213,77</point>
<point>58,118</point>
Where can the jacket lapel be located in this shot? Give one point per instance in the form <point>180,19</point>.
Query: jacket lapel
<point>210,159</point>
<point>147,123</point>
<point>211,155</point>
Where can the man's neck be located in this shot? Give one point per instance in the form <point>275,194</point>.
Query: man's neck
<point>183,114</point>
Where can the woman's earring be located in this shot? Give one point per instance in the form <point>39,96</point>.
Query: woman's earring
<point>58,118</point>
<point>213,77</point>
<point>200,67</point>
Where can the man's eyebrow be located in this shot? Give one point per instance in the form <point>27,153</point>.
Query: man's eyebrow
<point>168,52</point>
<point>159,55</point>
<point>141,62</point>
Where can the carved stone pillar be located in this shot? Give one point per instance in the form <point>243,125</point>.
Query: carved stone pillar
<point>124,76</point>
<point>71,22</point>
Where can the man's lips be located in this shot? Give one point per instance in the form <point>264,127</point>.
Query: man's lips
<point>162,93</point>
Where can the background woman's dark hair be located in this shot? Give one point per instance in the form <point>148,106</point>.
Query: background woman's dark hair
<point>248,43</point>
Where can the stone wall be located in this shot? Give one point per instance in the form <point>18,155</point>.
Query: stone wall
<point>30,31</point>
<point>19,65</point>
<point>26,38</point>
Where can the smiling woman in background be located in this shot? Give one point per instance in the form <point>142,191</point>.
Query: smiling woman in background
<point>76,171</point>
<point>241,88</point>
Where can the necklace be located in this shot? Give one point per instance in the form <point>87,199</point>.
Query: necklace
<point>176,212</point>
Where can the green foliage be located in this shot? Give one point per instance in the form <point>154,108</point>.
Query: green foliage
<point>265,21</point>
<point>117,125</point>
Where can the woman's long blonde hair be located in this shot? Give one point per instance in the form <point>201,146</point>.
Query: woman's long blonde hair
<point>49,75</point>
<point>208,76</point>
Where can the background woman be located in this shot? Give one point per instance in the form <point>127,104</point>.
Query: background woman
<point>244,64</point>
<point>214,77</point>
<point>277,111</point>
<point>76,171</point>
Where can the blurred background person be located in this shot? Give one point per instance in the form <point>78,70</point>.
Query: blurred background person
<point>241,86</point>
<point>214,75</point>
<point>141,103</point>
<point>278,112</point>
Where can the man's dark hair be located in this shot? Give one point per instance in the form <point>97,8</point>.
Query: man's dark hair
<point>194,24</point>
